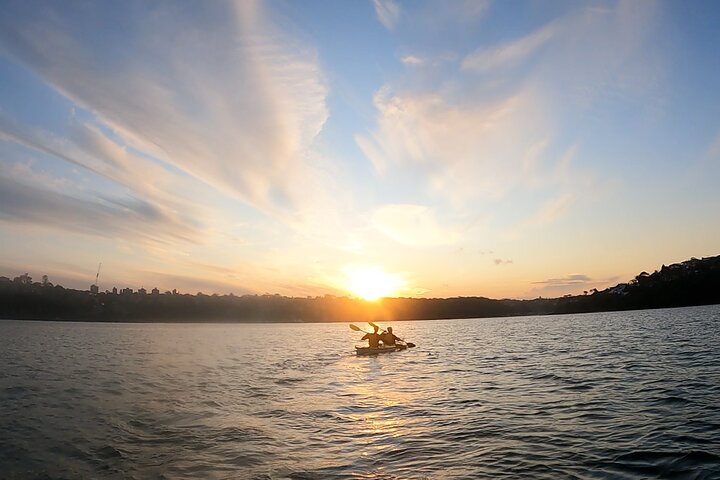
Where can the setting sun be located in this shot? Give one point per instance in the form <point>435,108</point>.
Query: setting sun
<point>371,283</point>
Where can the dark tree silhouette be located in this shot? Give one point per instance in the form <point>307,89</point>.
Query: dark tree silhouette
<point>693,282</point>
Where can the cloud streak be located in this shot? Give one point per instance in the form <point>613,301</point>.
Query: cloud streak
<point>467,149</point>
<point>477,133</point>
<point>413,225</point>
<point>235,103</point>
<point>146,185</point>
<point>509,54</point>
<point>553,209</point>
<point>24,203</point>
<point>571,284</point>
<point>388,12</point>
<point>566,281</point>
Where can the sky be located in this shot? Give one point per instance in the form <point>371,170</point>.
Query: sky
<point>505,149</point>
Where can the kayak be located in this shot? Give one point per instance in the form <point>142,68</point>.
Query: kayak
<point>380,349</point>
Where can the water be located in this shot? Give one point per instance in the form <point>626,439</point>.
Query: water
<point>611,395</point>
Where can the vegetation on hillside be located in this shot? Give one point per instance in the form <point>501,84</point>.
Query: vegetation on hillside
<point>693,282</point>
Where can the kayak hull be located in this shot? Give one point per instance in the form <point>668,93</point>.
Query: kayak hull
<point>379,350</point>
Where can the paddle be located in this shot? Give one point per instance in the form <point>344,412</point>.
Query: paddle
<point>409,344</point>
<point>357,329</point>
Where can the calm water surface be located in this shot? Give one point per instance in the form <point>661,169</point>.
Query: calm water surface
<point>614,395</point>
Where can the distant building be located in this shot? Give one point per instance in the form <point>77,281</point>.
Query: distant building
<point>94,289</point>
<point>155,291</point>
<point>142,291</point>
<point>114,290</point>
<point>127,291</point>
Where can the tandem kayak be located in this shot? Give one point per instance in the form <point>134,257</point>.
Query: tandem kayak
<point>381,349</point>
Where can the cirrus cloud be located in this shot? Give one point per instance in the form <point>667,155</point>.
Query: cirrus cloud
<point>388,12</point>
<point>508,54</point>
<point>222,94</point>
<point>413,225</point>
<point>472,132</point>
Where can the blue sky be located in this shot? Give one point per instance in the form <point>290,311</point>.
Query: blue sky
<point>503,149</point>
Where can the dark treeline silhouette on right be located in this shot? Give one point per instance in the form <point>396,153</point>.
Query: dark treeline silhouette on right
<point>693,282</point>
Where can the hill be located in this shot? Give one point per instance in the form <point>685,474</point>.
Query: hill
<point>693,282</point>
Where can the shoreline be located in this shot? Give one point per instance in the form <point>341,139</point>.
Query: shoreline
<point>250,322</point>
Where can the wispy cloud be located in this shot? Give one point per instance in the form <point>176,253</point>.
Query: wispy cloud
<point>468,148</point>
<point>26,203</point>
<point>553,209</point>
<point>434,17</point>
<point>500,261</point>
<point>473,132</point>
<point>235,102</point>
<point>467,9</point>
<point>571,284</point>
<point>714,149</point>
<point>509,54</point>
<point>413,225</point>
<point>140,183</point>
<point>176,121</point>
<point>566,281</point>
<point>388,12</point>
<point>412,60</point>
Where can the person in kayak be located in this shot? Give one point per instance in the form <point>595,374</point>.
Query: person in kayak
<point>389,338</point>
<point>372,338</point>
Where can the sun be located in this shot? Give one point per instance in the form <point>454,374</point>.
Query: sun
<point>371,283</point>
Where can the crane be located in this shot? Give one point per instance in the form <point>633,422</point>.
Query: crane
<point>97,274</point>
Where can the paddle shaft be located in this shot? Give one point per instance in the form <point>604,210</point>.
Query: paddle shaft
<point>358,329</point>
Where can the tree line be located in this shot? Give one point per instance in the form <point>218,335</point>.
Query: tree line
<point>693,282</point>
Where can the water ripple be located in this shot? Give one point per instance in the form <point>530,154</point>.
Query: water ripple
<point>630,395</point>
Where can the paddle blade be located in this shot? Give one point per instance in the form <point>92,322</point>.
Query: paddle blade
<point>356,328</point>
<point>410,345</point>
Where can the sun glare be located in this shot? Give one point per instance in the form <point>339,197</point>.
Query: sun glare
<point>371,283</point>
